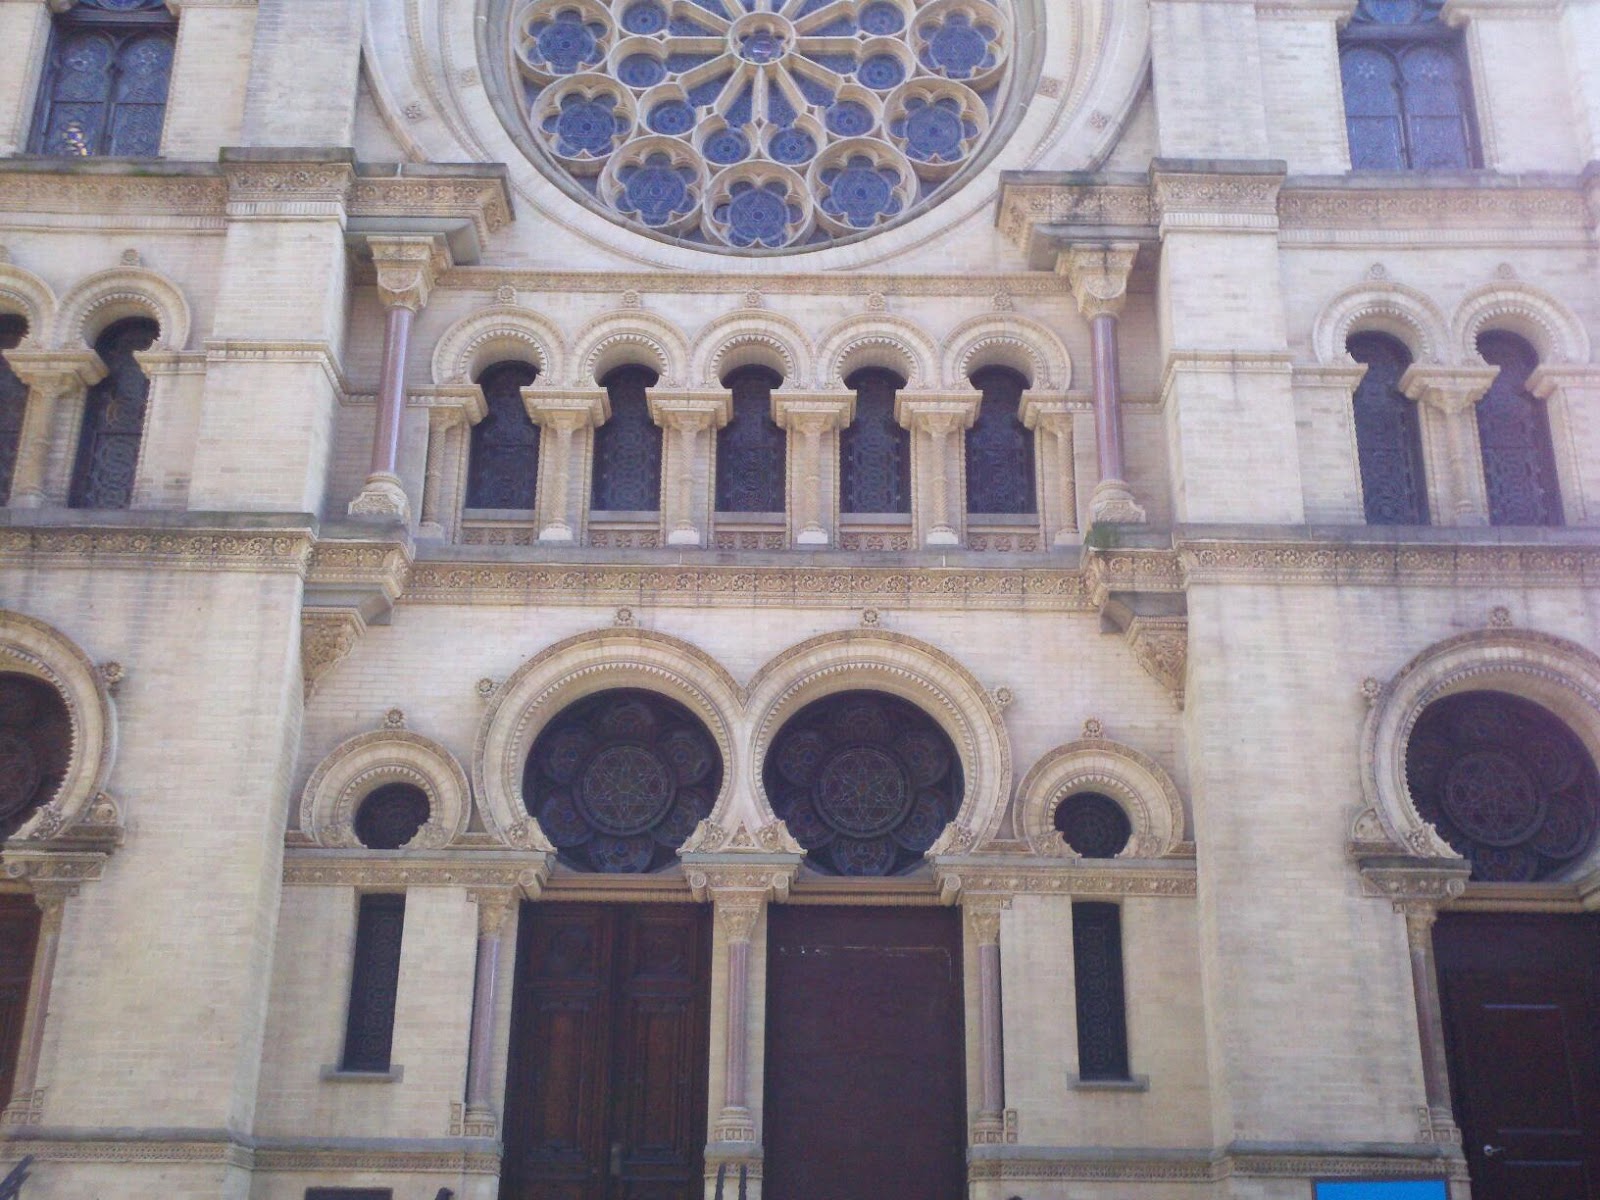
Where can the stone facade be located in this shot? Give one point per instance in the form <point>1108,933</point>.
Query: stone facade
<point>299,604</point>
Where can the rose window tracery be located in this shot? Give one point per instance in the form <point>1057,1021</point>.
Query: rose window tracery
<point>761,124</point>
<point>866,783</point>
<point>1505,783</point>
<point>620,779</point>
<point>35,747</point>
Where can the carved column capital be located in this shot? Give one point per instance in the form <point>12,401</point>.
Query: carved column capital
<point>689,412</point>
<point>983,916</point>
<point>1448,389</point>
<point>738,912</point>
<point>569,411</point>
<point>937,417</point>
<point>407,268</point>
<point>1097,273</point>
<point>813,414</point>
<point>54,373</point>
<point>494,907</point>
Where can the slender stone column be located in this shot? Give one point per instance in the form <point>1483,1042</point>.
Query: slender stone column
<point>441,423</point>
<point>1420,917</point>
<point>407,268</point>
<point>813,462</point>
<point>1053,419</point>
<point>940,502</point>
<point>738,914</point>
<point>58,381</point>
<point>983,916</point>
<point>567,420</point>
<point>1098,275</point>
<point>688,422</point>
<point>494,906</point>
<point>26,1096</point>
<point>1454,463</point>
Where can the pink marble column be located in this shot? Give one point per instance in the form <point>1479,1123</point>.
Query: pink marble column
<point>391,392</point>
<point>1107,397</point>
<point>738,919</point>
<point>1430,1021</point>
<point>984,918</point>
<point>493,909</point>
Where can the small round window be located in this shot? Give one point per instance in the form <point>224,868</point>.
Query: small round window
<point>390,816</point>
<point>1094,825</point>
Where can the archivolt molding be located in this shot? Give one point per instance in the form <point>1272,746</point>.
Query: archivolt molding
<point>368,761</point>
<point>1549,325</point>
<point>31,647</point>
<point>904,667</point>
<point>1382,307</point>
<point>877,340</point>
<point>24,293</point>
<point>101,300</point>
<point>1560,675</point>
<point>1007,340</point>
<point>751,338</point>
<point>504,333</point>
<point>580,666</point>
<point>630,338</point>
<point>1145,792</point>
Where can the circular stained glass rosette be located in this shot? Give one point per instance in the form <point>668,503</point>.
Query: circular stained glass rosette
<point>762,125</point>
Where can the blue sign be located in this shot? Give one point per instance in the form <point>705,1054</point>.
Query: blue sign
<point>1397,1189</point>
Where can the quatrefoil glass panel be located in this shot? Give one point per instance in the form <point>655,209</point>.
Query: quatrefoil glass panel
<point>762,125</point>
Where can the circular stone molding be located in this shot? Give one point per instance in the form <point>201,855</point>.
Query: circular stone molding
<point>1137,783</point>
<point>363,764</point>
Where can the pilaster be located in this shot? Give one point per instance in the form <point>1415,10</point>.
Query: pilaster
<point>58,382</point>
<point>205,102</point>
<point>689,422</point>
<point>171,415</point>
<point>566,452</point>
<point>303,70</point>
<point>1452,459</point>
<point>1052,423</point>
<point>1209,104</point>
<point>1571,393</point>
<point>938,466</point>
<point>813,424</point>
<point>25,31</point>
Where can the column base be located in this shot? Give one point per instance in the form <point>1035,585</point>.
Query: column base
<point>941,535</point>
<point>995,1128</point>
<point>1440,1128</point>
<point>1113,504</point>
<point>28,500</point>
<point>559,532</point>
<point>684,537</point>
<point>479,1121</point>
<point>734,1125</point>
<point>382,497</point>
<point>24,1110</point>
<point>815,536</point>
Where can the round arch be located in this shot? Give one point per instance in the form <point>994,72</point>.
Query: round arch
<point>1009,340</point>
<point>100,301</point>
<point>1547,324</point>
<point>1392,308</point>
<point>751,338</point>
<point>877,340</point>
<point>26,295</point>
<point>1138,784</point>
<point>630,338</point>
<point>361,764</point>
<point>505,333</point>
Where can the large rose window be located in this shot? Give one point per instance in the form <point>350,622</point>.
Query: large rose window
<point>761,124</point>
<point>865,782</point>
<point>619,781</point>
<point>1505,783</point>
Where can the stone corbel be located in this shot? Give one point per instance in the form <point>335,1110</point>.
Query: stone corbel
<point>937,424</point>
<point>57,382</point>
<point>1454,462</point>
<point>812,423</point>
<point>567,421</point>
<point>1052,421</point>
<point>1098,276</point>
<point>1161,646</point>
<point>686,490</point>
<point>327,635</point>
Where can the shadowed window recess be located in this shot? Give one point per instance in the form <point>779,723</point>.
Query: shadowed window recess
<point>113,419</point>
<point>13,401</point>
<point>1388,434</point>
<point>503,471</point>
<point>627,448</point>
<point>1102,1008</point>
<point>750,447</point>
<point>1519,462</point>
<point>874,451</point>
<point>374,982</point>
<point>999,448</point>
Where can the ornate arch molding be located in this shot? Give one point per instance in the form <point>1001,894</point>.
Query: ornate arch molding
<point>104,299</point>
<point>1560,675</point>
<point>1549,325</point>
<point>877,340</point>
<point>623,339</point>
<point>1137,783</point>
<point>1009,340</point>
<point>505,333</point>
<point>903,667</point>
<point>744,339</point>
<point>1401,312</point>
<point>577,667</point>
<point>81,804</point>
<point>361,764</point>
<point>24,293</point>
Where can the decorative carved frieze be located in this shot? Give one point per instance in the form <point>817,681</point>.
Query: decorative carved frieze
<point>482,199</point>
<point>379,565</point>
<point>494,870</point>
<point>960,877</point>
<point>145,549</point>
<point>1412,882</point>
<point>1394,564</point>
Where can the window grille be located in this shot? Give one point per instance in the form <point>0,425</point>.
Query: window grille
<point>874,451</point>
<point>1102,1010</point>
<point>1000,448</point>
<point>751,447</point>
<point>1388,435</point>
<point>1407,92</point>
<point>390,816</point>
<point>1519,465</point>
<point>1094,825</point>
<point>374,980</point>
<point>503,470</point>
<point>113,419</point>
<point>105,82</point>
<point>627,448</point>
<point>13,402</point>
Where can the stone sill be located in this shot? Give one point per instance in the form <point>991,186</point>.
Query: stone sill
<point>1133,1083</point>
<point>336,1074</point>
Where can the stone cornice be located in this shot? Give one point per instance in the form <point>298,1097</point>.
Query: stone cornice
<point>1400,564</point>
<point>488,280</point>
<point>969,876</point>
<point>1044,1164</point>
<point>521,871</point>
<point>152,547</point>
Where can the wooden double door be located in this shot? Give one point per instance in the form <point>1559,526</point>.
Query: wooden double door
<point>1521,1002</point>
<point>606,1085</point>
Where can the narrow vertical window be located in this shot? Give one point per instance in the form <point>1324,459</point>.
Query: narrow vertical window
<point>113,419</point>
<point>1407,99</point>
<point>874,451</point>
<point>13,401</point>
<point>503,470</point>
<point>1388,434</point>
<point>1102,1013</point>
<point>1000,447</point>
<point>627,448</point>
<point>19,938</point>
<point>1519,464</point>
<point>374,980</point>
<point>750,447</point>
<point>105,82</point>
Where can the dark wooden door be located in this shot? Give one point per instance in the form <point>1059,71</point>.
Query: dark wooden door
<point>19,938</point>
<point>1521,1000</point>
<point>865,1066</point>
<point>606,1087</point>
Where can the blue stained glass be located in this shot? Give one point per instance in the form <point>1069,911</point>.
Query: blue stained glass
<point>839,64</point>
<point>759,216</point>
<point>1396,12</point>
<point>809,7</point>
<point>646,17</point>
<point>843,27</point>
<point>762,46</point>
<point>702,94</point>
<point>958,48</point>
<point>739,111</point>
<point>726,146</point>
<point>689,27</point>
<point>881,72</point>
<point>792,146</point>
<point>815,92</point>
<point>677,64</point>
<point>850,119</point>
<point>641,71</point>
<point>567,44</point>
<point>934,132</point>
<point>779,111</point>
<point>672,117</point>
<point>585,125</point>
<point>860,193</point>
<point>712,6</point>
<point>655,190</point>
<point>123,5</point>
<point>881,19</point>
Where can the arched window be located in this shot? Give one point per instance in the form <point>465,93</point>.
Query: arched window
<point>35,747</point>
<point>750,447</point>
<point>1407,101</point>
<point>1519,465</point>
<point>627,448</point>
<point>1388,434</point>
<point>874,451</point>
<point>504,468</point>
<point>1093,824</point>
<point>113,419</point>
<point>105,81</point>
<point>13,401</point>
<point>390,816</point>
<point>1000,447</point>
